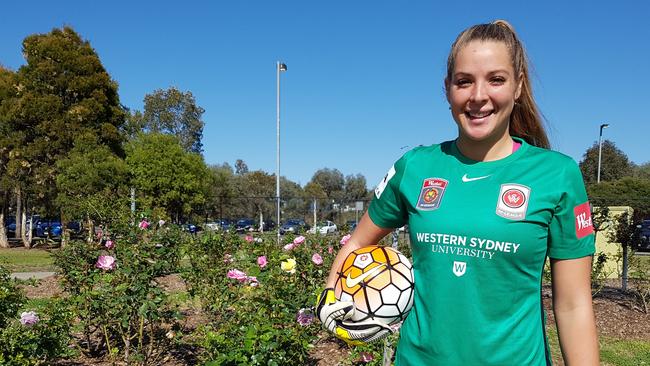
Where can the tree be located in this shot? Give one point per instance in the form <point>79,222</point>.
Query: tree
<point>332,182</point>
<point>627,191</point>
<point>258,188</point>
<point>221,191</point>
<point>293,203</point>
<point>642,171</point>
<point>240,167</point>
<point>63,92</point>
<point>355,188</point>
<point>7,97</point>
<point>90,179</point>
<point>166,176</point>
<point>172,112</point>
<point>614,163</point>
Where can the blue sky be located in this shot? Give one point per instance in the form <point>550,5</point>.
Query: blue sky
<point>364,80</point>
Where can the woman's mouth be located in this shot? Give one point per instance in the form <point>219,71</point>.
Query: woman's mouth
<point>478,116</point>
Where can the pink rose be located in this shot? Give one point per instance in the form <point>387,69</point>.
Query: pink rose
<point>144,224</point>
<point>28,318</point>
<point>237,275</point>
<point>249,238</point>
<point>261,261</point>
<point>344,240</point>
<point>299,240</point>
<point>289,246</point>
<point>304,317</point>
<point>366,357</point>
<point>109,244</point>
<point>330,250</point>
<point>317,259</point>
<point>105,262</point>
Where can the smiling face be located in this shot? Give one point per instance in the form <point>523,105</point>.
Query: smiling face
<point>482,92</point>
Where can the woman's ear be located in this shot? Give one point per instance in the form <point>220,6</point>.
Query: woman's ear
<point>520,83</point>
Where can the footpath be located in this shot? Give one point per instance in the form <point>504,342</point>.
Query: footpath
<point>31,275</point>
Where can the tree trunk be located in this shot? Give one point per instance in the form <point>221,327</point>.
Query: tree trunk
<point>4,242</point>
<point>625,265</point>
<point>19,213</point>
<point>27,236</point>
<point>64,230</point>
<point>91,229</point>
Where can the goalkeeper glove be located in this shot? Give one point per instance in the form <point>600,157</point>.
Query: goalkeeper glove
<point>334,315</point>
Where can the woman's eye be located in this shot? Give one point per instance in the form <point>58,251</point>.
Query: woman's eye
<point>463,82</point>
<point>498,80</point>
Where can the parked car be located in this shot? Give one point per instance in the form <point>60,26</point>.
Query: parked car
<point>324,227</point>
<point>244,225</point>
<point>351,224</point>
<point>211,226</point>
<point>10,226</point>
<point>267,225</point>
<point>644,237</point>
<point>191,228</point>
<point>294,226</point>
<point>48,228</point>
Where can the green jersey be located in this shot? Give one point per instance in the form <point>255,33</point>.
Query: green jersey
<point>480,233</point>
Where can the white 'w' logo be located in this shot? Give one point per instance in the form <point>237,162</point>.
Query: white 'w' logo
<point>514,198</point>
<point>459,268</point>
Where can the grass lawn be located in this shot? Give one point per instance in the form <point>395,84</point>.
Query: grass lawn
<point>26,260</point>
<point>613,352</point>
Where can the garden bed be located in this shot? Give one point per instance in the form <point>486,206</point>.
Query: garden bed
<point>618,316</point>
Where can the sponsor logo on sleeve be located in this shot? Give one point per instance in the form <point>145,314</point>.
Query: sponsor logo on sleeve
<point>384,182</point>
<point>513,201</point>
<point>431,194</point>
<point>584,224</point>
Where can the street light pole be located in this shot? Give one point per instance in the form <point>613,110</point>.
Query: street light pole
<point>279,68</point>
<point>600,148</point>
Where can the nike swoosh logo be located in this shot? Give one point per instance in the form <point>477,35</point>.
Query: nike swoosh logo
<point>351,282</point>
<point>468,179</point>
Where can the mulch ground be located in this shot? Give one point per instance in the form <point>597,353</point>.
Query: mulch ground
<point>619,315</point>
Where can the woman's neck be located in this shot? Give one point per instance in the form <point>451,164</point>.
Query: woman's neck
<point>485,150</point>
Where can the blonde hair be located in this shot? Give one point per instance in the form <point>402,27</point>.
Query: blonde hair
<point>526,121</point>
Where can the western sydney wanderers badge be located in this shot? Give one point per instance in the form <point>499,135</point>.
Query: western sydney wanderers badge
<point>431,194</point>
<point>513,201</point>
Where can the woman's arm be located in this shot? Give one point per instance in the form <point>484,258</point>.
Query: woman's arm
<point>366,233</point>
<point>574,315</point>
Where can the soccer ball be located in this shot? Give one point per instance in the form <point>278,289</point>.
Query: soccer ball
<point>379,280</point>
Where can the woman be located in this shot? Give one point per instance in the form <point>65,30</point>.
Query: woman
<point>484,211</point>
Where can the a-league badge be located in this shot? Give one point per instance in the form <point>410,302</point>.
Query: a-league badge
<point>513,201</point>
<point>431,194</point>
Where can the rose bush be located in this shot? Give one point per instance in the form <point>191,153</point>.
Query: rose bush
<point>111,281</point>
<point>28,337</point>
<point>270,323</point>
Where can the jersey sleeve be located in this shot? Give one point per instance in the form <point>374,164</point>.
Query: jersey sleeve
<point>571,231</point>
<point>387,208</point>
